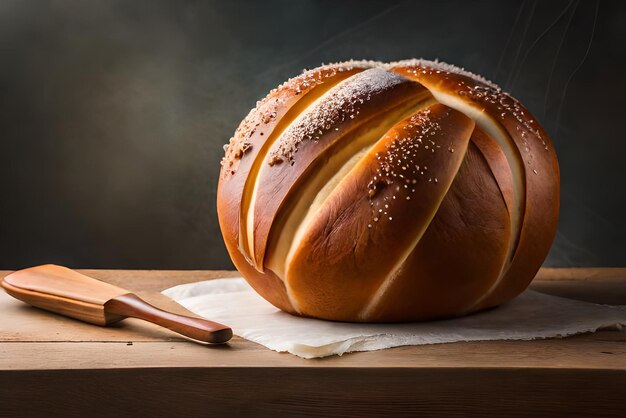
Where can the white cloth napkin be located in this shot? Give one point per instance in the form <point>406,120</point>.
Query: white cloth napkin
<point>532,315</point>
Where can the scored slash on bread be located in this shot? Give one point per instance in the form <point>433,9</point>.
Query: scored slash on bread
<point>349,118</point>
<point>364,238</point>
<point>364,191</point>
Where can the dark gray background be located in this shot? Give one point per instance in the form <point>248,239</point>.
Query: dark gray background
<point>113,113</point>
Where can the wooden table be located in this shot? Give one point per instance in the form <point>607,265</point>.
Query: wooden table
<point>55,366</point>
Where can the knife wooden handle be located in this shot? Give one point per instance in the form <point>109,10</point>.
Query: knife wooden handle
<point>67,292</point>
<point>130,305</point>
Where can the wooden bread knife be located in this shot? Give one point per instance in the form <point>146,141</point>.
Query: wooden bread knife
<point>67,292</point>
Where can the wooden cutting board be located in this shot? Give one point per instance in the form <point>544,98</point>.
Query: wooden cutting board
<point>52,363</point>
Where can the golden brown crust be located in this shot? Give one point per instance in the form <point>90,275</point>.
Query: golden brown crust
<point>301,190</point>
<point>353,103</point>
<point>358,238</point>
<point>541,171</point>
<point>496,160</point>
<point>540,219</point>
<point>244,148</point>
<point>460,255</point>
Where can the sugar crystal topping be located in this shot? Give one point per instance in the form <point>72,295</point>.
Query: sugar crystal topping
<point>266,110</point>
<point>442,67</point>
<point>486,94</point>
<point>343,102</point>
<point>400,167</point>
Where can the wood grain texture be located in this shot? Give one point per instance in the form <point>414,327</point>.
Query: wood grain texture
<point>53,280</point>
<point>92,313</point>
<point>605,350</point>
<point>51,363</point>
<point>66,292</point>
<point>597,285</point>
<point>289,392</point>
<point>63,291</point>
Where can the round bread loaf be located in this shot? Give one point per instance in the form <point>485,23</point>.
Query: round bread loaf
<point>373,192</point>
